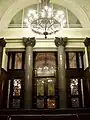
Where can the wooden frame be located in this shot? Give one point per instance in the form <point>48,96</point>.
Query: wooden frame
<point>45,97</point>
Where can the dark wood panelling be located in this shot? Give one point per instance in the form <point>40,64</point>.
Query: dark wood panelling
<point>87,87</point>
<point>4,86</point>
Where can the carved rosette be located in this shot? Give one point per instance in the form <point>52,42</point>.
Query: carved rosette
<point>87,41</point>
<point>29,41</point>
<point>2,42</point>
<point>60,41</point>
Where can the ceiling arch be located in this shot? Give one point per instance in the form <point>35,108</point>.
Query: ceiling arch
<point>19,4</point>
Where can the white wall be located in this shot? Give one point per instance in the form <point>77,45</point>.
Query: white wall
<point>26,32</point>
<point>4,59</point>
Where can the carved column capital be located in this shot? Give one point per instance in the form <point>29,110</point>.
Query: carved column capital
<point>87,42</point>
<point>60,41</point>
<point>2,42</point>
<point>29,41</point>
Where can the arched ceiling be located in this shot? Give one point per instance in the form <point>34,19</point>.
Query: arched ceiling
<point>8,8</point>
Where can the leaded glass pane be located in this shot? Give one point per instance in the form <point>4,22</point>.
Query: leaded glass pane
<point>51,86</point>
<point>72,60</point>
<point>45,64</point>
<point>16,87</point>
<point>40,87</point>
<point>51,103</point>
<point>74,86</point>
<point>16,103</point>
<point>18,61</point>
<point>75,102</point>
<point>40,103</point>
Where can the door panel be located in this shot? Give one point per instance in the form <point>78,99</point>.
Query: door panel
<point>45,80</point>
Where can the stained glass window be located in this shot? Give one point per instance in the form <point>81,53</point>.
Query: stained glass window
<point>45,64</point>
<point>40,87</point>
<point>16,103</point>
<point>74,86</point>
<point>75,102</point>
<point>72,60</point>
<point>18,61</point>
<point>40,103</point>
<point>51,103</point>
<point>51,86</point>
<point>16,93</point>
<point>16,87</point>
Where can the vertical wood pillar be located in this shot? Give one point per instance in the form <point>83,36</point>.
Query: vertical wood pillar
<point>2,45</point>
<point>87,75</point>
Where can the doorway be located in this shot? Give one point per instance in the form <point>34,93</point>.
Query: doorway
<point>45,87</point>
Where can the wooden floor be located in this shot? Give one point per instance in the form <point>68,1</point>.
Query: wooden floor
<point>58,114</point>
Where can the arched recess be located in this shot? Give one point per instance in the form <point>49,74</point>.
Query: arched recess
<point>19,4</point>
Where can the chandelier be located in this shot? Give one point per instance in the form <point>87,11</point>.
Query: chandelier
<point>45,19</point>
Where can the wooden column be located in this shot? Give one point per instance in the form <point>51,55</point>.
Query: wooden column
<point>2,45</point>
<point>87,75</point>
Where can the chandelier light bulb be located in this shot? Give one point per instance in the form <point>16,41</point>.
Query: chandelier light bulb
<point>60,20</point>
<point>42,14</point>
<point>46,7</point>
<point>30,11</point>
<point>49,9</point>
<point>56,16</point>
<point>26,20</point>
<point>33,12</point>
<point>64,21</point>
<point>36,16</point>
<point>28,15</point>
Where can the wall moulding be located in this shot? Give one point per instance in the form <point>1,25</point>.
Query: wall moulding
<point>71,33</point>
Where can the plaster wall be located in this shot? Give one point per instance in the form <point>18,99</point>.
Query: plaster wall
<point>81,33</point>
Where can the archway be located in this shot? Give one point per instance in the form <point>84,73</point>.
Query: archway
<point>19,4</point>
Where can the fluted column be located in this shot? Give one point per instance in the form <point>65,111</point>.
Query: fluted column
<point>60,43</point>
<point>29,44</point>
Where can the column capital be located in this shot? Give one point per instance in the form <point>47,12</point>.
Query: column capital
<point>87,41</point>
<point>29,41</point>
<point>60,41</point>
<point>2,42</point>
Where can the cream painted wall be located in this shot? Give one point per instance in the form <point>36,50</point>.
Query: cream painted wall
<point>26,32</point>
<point>85,58</point>
<point>4,59</point>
